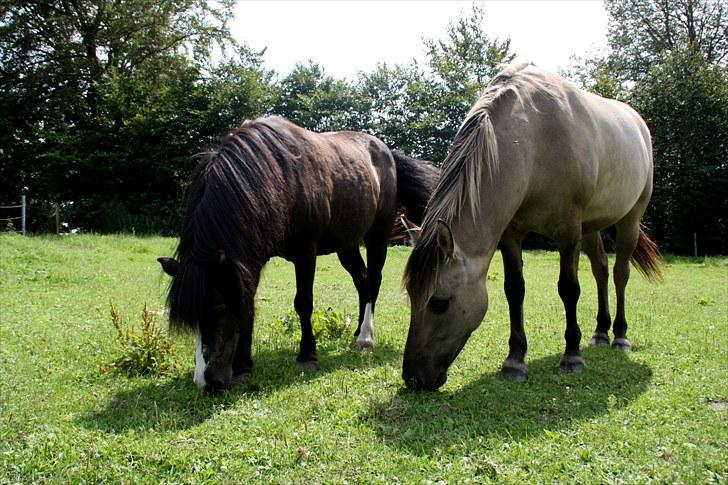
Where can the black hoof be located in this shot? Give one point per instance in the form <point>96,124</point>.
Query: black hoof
<point>572,363</point>
<point>514,371</point>
<point>622,344</point>
<point>307,365</point>
<point>599,340</point>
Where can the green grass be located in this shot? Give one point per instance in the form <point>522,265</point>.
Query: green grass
<point>657,414</point>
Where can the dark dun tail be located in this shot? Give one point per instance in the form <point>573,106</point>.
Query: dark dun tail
<point>647,258</point>
<point>416,179</point>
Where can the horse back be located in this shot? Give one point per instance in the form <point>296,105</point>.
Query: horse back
<point>346,189</point>
<point>579,154</point>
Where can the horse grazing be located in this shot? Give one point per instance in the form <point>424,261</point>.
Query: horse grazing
<point>535,154</point>
<point>275,189</point>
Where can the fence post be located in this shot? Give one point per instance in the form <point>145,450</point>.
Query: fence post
<point>23,214</point>
<point>695,244</point>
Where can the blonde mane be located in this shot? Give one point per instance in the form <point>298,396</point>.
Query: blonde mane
<point>474,149</point>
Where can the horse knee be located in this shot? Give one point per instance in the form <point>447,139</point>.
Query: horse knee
<point>515,289</point>
<point>303,304</point>
<point>569,291</point>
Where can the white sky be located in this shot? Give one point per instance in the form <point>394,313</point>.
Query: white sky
<point>346,37</point>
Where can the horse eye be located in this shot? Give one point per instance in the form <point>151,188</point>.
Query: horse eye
<point>438,305</point>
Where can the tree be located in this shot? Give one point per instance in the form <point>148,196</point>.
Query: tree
<point>685,104</point>
<point>400,101</point>
<point>640,31</point>
<point>104,102</point>
<point>462,65</point>
<point>419,110</point>
<point>309,97</point>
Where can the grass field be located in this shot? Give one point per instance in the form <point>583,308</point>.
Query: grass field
<point>658,414</point>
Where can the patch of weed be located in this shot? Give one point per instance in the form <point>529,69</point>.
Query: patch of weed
<point>146,352</point>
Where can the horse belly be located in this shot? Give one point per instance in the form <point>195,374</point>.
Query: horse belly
<point>614,196</point>
<point>624,166</point>
<point>352,214</point>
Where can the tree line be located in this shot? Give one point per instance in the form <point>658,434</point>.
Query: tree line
<point>105,104</point>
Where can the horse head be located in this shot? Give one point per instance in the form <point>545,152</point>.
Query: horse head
<point>202,298</point>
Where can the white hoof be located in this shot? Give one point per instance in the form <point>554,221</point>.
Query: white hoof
<point>364,345</point>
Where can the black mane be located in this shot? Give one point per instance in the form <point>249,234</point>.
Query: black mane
<point>236,216</point>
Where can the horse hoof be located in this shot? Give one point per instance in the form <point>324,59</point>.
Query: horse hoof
<point>572,363</point>
<point>307,365</point>
<point>599,339</point>
<point>516,374</point>
<point>622,344</point>
<point>240,379</point>
<point>364,345</point>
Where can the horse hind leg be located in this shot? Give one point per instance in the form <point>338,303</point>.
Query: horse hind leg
<point>376,256</point>
<point>625,244</point>
<point>594,248</point>
<point>353,263</point>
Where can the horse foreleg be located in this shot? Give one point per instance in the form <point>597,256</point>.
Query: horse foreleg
<point>514,367</point>
<point>243,360</point>
<point>594,249</point>
<point>305,265</point>
<point>569,291</point>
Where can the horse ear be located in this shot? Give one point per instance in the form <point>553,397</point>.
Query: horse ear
<point>169,265</point>
<point>445,239</point>
<point>413,231</point>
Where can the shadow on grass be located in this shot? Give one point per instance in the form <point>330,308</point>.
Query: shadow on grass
<point>176,403</point>
<point>491,406</point>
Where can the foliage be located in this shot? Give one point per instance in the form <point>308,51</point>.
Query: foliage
<point>685,103</point>
<point>597,75</point>
<point>463,63</point>
<point>105,98</point>
<point>310,98</point>
<point>641,31</point>
<point>148,353</point>
<point>655,415</point>
<point>104,104</point>
<point>419,110</point>
<point>329,326</point>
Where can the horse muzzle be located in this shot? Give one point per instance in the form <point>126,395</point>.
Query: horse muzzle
<point>420,378</point>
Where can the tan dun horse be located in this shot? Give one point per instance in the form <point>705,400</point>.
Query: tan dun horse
<point>535,154</point>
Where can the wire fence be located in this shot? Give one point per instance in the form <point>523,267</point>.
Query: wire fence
<point>23,217</point>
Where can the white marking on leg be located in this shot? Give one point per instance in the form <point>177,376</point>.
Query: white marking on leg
<point>365,340</point>
<point>199,364</point>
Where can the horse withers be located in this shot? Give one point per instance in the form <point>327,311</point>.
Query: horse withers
<point>275,189</point>
<point>535,154</point>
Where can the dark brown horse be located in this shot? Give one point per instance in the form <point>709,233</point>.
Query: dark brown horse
<point>275,189</point>
<point>535,154</point>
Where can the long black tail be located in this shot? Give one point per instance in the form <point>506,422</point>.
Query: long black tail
<point>416,179</point>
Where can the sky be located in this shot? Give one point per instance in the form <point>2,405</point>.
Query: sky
<point>346,37</point>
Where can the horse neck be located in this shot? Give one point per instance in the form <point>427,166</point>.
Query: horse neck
<point>477,240</point>
<point>500,196</point>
